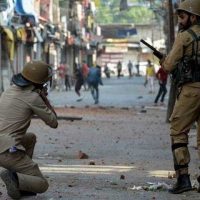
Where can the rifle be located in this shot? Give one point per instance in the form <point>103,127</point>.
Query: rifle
<point>155,51</point>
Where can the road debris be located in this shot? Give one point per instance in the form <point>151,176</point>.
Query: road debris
<point>122,177</point>
<point>82,155</point>
<point>152,187</point>
<point>91,162</point>
<point>171,175</point>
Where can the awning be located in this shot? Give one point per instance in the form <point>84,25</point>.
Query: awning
<point>26,8</point>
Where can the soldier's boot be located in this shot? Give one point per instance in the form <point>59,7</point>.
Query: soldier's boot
<point>183,184</point>
<point>198,189</point>
<point>11,182</point>
<point>26,193</point>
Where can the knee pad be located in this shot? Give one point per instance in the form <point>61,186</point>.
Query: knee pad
<point>181,155</point>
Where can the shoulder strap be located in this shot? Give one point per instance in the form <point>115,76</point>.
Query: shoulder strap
<point>194,35</point>
<point>196,38</point>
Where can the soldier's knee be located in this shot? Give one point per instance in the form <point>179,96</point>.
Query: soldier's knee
<point>32,137</point>
<point>44,186</point>
<point>181,155</point>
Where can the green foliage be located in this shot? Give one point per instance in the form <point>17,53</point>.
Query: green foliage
<point>109,12</point>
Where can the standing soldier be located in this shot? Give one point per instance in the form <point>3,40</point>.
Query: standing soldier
<point>25,98</point>
<point>185,58</point>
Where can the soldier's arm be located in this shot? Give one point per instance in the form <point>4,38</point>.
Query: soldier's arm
<point>170,61</point>
<point>43,109</point>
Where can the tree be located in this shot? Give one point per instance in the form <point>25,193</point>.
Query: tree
<point>109,12</point>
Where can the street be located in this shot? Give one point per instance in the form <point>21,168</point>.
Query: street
<point>125,138</point>
<point>123,92</point>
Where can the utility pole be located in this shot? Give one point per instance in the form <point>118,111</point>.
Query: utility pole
<point>1,71</point>
<point>171,37</point>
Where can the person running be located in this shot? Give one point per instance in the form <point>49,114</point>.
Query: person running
<point>94,79</point>
<point>161,75</point>
<point>79,82</point>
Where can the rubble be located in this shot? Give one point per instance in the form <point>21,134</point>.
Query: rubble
<point>152,187</point>
<point>82,155</point>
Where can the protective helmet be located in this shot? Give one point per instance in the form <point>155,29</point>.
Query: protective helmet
<point>37,72</point>
<point>19,80</point>
<point>190,6</point>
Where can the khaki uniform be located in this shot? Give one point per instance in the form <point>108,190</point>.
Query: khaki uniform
<point>187,107</point>
<point>17,106</point>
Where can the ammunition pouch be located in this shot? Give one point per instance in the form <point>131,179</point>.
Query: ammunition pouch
<point>188,68</point>
<point>187,71</point>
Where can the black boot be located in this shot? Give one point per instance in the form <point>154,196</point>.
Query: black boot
<point>11,182</point>
<point>183,184</point>
<point>26,193</point>
<point>198,189</point>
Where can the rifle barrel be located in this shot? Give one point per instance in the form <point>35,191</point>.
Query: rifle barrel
<point>147,44</point>
<point>155,51</point>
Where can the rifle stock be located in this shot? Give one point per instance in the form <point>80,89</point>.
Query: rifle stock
<point>155,51</point>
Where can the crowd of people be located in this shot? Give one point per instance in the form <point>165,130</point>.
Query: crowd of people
<point>84,76</point>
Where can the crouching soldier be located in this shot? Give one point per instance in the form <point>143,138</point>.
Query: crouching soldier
<point>26,97</point>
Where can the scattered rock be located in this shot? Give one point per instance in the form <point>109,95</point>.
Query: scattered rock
<point>122,177</point>
<point>91,162</point>
<point>113,183</point>
<point>171,175</point>
<point>70,185</point>
<point>82,155</point>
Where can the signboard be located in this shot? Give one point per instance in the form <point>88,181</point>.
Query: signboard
<point>116,50</point>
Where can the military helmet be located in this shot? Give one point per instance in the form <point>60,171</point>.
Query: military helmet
<point>190,6</point>
<point>37,72</point>
<point>19,80</point>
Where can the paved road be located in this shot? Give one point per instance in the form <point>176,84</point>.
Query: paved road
<point>123,92</point>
